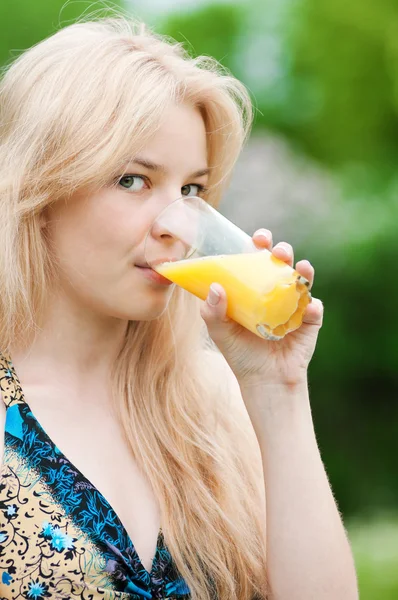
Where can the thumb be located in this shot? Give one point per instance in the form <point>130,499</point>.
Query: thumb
<point>214,313</point>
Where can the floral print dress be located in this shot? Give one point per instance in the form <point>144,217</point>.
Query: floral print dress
<point>59,537</point>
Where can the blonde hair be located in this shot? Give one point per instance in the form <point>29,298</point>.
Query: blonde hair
<point>72,108</point>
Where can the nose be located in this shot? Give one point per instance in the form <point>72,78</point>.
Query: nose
<point>166,244</point>
<point>162,232</point>
<point>175,231</point>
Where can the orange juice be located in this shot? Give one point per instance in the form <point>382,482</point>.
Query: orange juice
<point>265,295</point>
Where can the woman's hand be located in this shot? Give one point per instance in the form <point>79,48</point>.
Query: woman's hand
<point>254,360</point>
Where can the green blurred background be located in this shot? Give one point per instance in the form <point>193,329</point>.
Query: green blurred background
<point>320,170</point>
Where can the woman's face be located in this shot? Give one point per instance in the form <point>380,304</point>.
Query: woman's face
<point>98,239</point>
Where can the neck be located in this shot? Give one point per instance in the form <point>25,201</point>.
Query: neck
<point>74,345</point>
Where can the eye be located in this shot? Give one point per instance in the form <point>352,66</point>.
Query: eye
<point>197,188</point>
<point>133,183</point>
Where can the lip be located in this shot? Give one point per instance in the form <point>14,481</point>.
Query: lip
<point>160,261</point>
<point>154,276</point>
<point>156,262</point>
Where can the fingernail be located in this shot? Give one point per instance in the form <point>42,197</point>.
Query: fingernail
<point>263,238</point>
<point>282,248</point>
<point>213,297</point>
<point>263,233</point>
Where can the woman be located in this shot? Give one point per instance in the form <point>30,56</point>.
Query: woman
<point>137,454</point>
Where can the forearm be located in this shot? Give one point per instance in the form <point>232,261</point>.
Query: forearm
<point>308,554</point>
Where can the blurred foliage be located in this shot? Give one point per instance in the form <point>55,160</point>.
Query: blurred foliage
<point>353,375</point>
<point>201,32</point>
<point>345,54</point>
<point>23,23</point>
<point>323,73</point>
<point>375,546</point>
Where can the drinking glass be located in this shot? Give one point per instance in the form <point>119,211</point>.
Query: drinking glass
<point>193,245</point>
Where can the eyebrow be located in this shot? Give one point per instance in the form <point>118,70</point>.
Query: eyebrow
<point>147,164</point>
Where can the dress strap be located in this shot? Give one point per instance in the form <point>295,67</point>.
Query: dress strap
<point>11,390</point>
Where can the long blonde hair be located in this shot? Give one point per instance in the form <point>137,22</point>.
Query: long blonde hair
<point>72,108</point>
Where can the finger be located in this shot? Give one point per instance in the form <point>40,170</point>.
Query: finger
<point>263,238</point>
<point>314,313</point>
<point>214,312</point>
<point>305,268</point>
<point>215,306</point>
<point>284,251</point>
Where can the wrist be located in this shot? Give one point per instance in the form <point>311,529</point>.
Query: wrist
<point>275,397</point>
<point>272,404</point>
<point>260,383</point>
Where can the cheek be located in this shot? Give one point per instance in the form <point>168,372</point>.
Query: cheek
<point>88,239</point>
<point>95,250</point>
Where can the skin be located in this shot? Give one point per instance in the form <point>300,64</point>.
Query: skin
<point>98,238</point>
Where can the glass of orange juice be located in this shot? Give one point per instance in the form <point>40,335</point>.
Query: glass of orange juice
<point>193,245</point>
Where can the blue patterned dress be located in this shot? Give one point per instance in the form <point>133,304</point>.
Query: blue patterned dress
<point>59,537</point>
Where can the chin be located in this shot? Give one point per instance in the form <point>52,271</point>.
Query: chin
<point>149,315</point>
<point>146,310</point>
